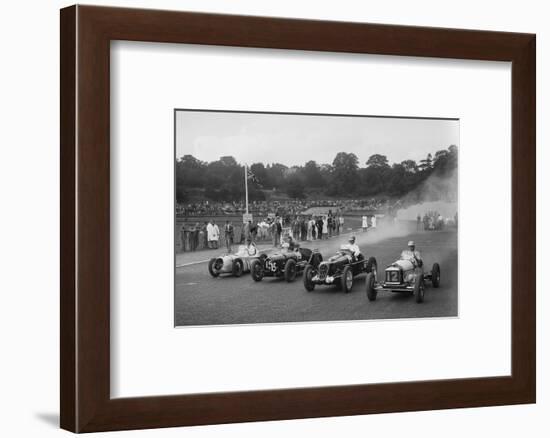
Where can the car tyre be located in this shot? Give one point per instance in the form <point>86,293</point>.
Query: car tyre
<point>371,291</point>
<point>436,275</point>
<point>347,279</point>
<point>372,265</point>
<point>419,288</point>
<point>238,267</point>
<point>212,268</point>
<point>308,275</point>
<point>257,270</point>
<point>290,270</point>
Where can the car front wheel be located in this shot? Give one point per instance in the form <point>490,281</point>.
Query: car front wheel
<point>213,268</point>
<point>308,275</point>
<point>347,279</point>
<point>371,291</point>
<point>372,265</point>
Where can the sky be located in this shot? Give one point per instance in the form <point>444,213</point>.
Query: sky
<point>296,139</point>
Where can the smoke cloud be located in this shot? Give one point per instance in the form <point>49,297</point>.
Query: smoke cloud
<point>437,193</point>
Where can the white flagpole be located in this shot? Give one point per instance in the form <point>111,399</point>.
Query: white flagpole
<point>246,187</point>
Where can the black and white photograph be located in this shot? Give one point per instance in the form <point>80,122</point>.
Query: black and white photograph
<point>275,219</point>
<point>288,217</point>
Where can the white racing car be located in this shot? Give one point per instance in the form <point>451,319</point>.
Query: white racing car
<point>235,264</point>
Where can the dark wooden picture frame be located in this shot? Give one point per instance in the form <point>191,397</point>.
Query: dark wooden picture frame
<point>86,34</point>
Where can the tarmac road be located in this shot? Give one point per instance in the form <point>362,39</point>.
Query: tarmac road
<point>203,300</point>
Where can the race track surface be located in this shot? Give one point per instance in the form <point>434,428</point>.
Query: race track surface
<point>203,300</point>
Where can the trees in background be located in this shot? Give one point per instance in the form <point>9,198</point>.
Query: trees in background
<point>222,180</point>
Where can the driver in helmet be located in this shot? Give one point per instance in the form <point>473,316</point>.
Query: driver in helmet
<point>249,249</point>
<point>411,254</point>
<point>353,247</point>
<point>290,244</point>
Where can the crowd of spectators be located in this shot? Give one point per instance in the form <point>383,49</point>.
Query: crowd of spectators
<point>286,207</point>
<point>305,220</point>
<point>208,235</point>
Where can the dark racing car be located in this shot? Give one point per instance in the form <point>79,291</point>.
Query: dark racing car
<point>339,270</point>
<point>286,263</point>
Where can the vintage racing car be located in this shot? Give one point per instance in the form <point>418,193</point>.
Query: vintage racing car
<point>284,263</point>
<point>403,276</point>
<point>235,264</point>
<point>339,270</point>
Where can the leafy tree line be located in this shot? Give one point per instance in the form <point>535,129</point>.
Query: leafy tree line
<point>223,180</point>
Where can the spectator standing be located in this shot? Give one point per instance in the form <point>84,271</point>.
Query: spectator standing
<point>296,228</point>
<point>229,235</point>
<point>418,222</point>
<point>215,235</point>
<point>341,220</point>
<point>325,227</point>
<point>210,235</point>
<point>253,232</point>
<point>303,228</point>
<point>204,237</point>
<point>310,225</point>
<point>195,236</point>
<point>373,221</point>
<point>183,238</point>
<point>319,228</point>
<point>246,232</point>
<point>277,229</point>
<point>269,228</point>
<point>262,230</point>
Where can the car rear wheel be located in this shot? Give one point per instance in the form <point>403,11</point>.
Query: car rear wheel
<point>308,275</point>
<point>347,279</point>
<point>238,267</point>
<point>257,270</point>
<point>290,270</point>
<point>371,291</point>
<point>436,275</point>
<point>213,268</point>
<point>419,288</point>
